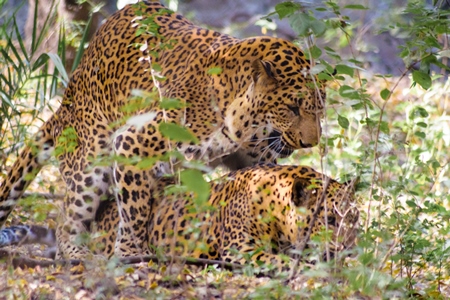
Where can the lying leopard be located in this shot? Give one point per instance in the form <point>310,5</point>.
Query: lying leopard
<point>265,210</point>
<point>259,103</point>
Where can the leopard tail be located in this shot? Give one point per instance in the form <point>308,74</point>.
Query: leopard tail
<point>27,234</point>
<point>26,167</point>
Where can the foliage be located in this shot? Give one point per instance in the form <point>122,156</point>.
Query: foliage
<point>390,132</point>
<point>29,79</point>
<point>396,146</point>
<point>21,75</point>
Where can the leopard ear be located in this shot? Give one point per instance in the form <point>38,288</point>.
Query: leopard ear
<point>263,72</point>
<point>301,192</point>
<point>352,184</point>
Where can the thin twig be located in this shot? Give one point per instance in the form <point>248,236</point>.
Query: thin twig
<point>21,262</point>
<point>47,196</point>
<point>305,240</point>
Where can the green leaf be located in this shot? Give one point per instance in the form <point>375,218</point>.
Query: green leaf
<point>5,99</point>
<point>418,111</point>
<point>420,134</point>
<point>371,122</point>
<point>59,65</point>
<point>384,127</point>
<point>147,163</point>
<point>171,103</point>
<point>385,94</point>
<point>215,71</point>
<point>156,67</point>
<point>324,76</point>
<point>177,133</point>
<point>315,52</point>
<point>411,203</point>
<point>343,69</point>
<point>355,6</point>
<point>318,27</point>
<point>286,8</point>
<point>422,78</point>
<point>366,258</point>
<point>299,23</point>
<point>432,42</point>
<point>302,24</point>
<point>194,182</point>
<point>422,112</point>
<point>318,69</point>
<point>441,28</point>
<point>84,40</point>
<point>343,122</point>
<point>349,92</point>
<point>159,78</point>
<point>40,61</point>
<point>142,119</point>
<point>435,164</point>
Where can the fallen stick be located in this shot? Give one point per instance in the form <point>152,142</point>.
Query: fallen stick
<point>24,262</point>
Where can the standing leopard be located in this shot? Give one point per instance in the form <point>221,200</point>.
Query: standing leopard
<point>262,105</point>
<point>265,210</point>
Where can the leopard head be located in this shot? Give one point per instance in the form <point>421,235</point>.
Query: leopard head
<point>281,107</point>
<point>323,204</point>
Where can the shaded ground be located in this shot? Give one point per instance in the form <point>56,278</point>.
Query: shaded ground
<point>101,279</point>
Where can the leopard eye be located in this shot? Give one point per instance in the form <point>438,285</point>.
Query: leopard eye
<point>294,109</point>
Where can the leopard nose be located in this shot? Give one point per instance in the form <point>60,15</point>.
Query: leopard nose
<point>305,145</point>
<point>310,138</point>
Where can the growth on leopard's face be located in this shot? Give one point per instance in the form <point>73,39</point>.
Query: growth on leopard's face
<point>262,105</point>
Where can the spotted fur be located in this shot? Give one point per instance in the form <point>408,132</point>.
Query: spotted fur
<point>262,105</point>
<point>264,210</point>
